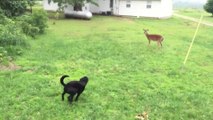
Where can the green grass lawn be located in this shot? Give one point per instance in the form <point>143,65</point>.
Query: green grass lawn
<point>196,13</point>
<point>126,76</point>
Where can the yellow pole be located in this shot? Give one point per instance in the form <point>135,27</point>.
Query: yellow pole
<point>193,39</point>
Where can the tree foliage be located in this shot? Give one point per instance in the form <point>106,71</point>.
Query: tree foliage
<point>77,4</point>
<point>208,7</point>
<point>15,7</point>
<point>31,3</point>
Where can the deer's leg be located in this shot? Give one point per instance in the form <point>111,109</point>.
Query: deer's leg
<point>161,44</point>
<point>158,44</point>
<point>149,43</point>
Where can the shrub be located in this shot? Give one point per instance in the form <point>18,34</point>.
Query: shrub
<point>39,19</point>
<point>33,24</point>
<point>3,17</point>
<point>10,35</point>
<point>13,8</point>
<point>25,23</point>
<point>3,55</point>
<point>12,39</point>
<point>30,30</point>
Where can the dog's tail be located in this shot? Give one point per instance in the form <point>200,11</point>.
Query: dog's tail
<point>62,79</point>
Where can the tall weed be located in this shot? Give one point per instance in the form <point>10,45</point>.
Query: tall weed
<point>12,40</point>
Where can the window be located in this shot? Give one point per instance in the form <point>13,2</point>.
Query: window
<point>149,4</point>
<point>128,3</point>
<point>111,4</point>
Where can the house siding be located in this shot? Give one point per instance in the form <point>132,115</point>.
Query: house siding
<point>104,6</point>
<point>159,8</point>
<point>50,7</point>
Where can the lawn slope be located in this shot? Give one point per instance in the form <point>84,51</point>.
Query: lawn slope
<point>126,75</point>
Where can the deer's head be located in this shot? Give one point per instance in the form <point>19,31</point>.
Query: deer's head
<point>145,31</point>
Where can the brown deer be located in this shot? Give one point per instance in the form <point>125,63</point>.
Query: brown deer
<point>153,37</point>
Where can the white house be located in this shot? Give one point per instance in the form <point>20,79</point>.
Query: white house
<point>138,8</point>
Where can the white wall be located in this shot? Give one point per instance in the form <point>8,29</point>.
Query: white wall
<point>104,6</point>
<point>116,7</point>
<point>68,9</point>
<point>138,8</point>
<point>94,8</point>
<point>52,6</point>
<point>167,8</point>
<point>159,9</point>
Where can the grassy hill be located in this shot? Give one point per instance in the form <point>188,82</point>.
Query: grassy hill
<point>127,77</point>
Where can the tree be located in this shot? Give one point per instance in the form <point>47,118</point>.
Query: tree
<point>77,4</point>
<point>31,3</point>
<point>15,7</point>
<point>208,7</point>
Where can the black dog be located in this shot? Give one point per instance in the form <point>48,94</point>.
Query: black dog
<point>73,87</point>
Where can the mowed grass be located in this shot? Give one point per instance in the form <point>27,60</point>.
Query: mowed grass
<point>126,76</point>
<point>196,13</point>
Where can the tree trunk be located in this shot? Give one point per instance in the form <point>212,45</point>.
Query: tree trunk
<point>77,7</point>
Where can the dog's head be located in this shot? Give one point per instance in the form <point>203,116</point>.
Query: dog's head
<point>84,80</point>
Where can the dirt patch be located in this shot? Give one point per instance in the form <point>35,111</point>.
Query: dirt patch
<point>11,66</point>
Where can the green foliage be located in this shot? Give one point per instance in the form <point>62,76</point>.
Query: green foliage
<point>31,3</point>
<point>13,7</point>
<point>13,31</point>
<point>2,16</point>
<point>209,6</point>
<point>11,37</point>
<point>25,23</point>
<point>3,55</point>
<point>33,24</point>
<point>39,19</point>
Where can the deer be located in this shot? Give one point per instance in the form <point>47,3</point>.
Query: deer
<point>153,37</point>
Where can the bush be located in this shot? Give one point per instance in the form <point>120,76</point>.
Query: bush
<point>30,30</point>
<point>39,19</point>
<point>13,8</point>
<point>12,39</point>
<point>33,24</point>
<point>10,35</point>
<point>25,23</point>
<point>3,55</point>
<point>13,32</point>
<point>3,19</point>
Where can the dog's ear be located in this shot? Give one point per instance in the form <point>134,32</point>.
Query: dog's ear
<point>84,78</point>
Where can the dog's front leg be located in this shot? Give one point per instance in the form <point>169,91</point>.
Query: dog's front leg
<point>76,99</point>
<point>70,98</point>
